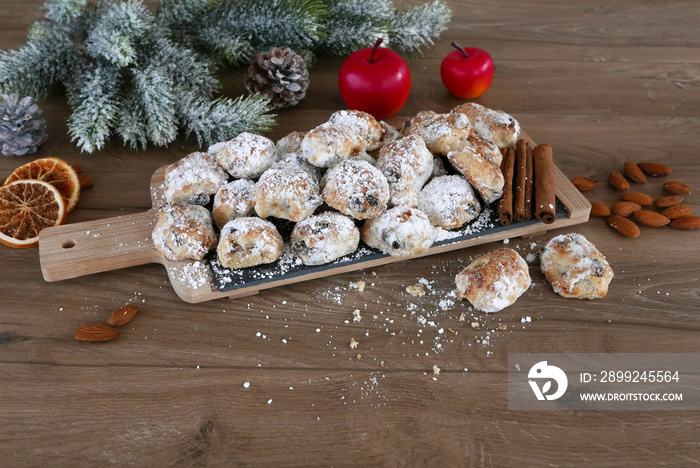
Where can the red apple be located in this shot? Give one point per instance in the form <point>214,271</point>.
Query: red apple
<point>375,80</point>
<point>467,72</point>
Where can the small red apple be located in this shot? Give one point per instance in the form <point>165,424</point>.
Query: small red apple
<point>467,72</point>
<point>375,80</point>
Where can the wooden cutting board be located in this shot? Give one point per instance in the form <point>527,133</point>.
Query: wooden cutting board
<point>80,249</point>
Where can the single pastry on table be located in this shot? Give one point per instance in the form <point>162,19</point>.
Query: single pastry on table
<point>325,237</point>
<point>449,201</point>
<point>233,200</point>
<point>575,268</point>
<point>355,188</point>
<point>328,145</point>
<point>400,232</point>
<point>494,281</point>
<point>361,123</point>
<point>485,176</point>
<point>291,195</point>
<point>193,179</point>
<point>183,232</point>
<point>247,242</point>
<point>407,164</point>
<point>245,157</point>
<point>496,126</point>
<point>442,133</point>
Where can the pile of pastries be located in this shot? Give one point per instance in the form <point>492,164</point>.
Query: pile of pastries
<point>351,178</point>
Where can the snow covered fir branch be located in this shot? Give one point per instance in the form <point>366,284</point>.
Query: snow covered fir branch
<point>147,78</point>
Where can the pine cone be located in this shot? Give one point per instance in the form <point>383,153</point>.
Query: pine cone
<point>281,75</point>
<point>22,130</point>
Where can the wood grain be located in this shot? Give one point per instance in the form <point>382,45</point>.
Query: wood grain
<point>602,82</point>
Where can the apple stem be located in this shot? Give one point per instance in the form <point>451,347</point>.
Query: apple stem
<point>374,49</point>
<point>459,48</point>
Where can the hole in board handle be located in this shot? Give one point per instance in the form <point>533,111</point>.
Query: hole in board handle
<point>68,244</point>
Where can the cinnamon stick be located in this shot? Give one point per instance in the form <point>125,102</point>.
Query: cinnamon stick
<point>529,184</point>
<point>505,205</point>
<point>520,180</point>
<point>545,192</point>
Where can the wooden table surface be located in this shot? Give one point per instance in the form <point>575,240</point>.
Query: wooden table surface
<point>271,379</point>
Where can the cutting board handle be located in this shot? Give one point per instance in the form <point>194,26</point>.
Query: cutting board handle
<point>80,249</point>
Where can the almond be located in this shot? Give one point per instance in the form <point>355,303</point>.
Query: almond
<point>634,172</point>
<point>651,218</point>
<point>665,202</point>
<point>676,188</point>
<point>654,169</point>
<point>598,209</point>
<point>639,198</point>
<point>618,181</point>
<point>625,208</point>
<point>686,222</point>
<point>122,315</point>
<point>676,211</point>
<point>623,225</point>
<point>96,332</point>
<point>584,184</point>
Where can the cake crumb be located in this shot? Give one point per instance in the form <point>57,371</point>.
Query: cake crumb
<point>356,317</point>
<point>436,370</point>
<point>353,343</point>
<point>475,324</point>
<point>416,290</point>
<point>462,318</point>
<point>359,285</point>
<point>359,356</point>
<point>503,327</point>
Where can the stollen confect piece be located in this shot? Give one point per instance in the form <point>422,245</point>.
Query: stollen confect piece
<point>494,281</point>
<point>407,164</point>
<point>291,195</point>
<point>245,157</point>
<point>325,237</point>
<point>290,143</point>
<point>233,200</point>
<point>183,232</point>
<point>449,201</point>
<point>193,179</point>
<point>247,242</point>
<point>355,188</point>
<point>495,126</point>
<point>485,176</point>
<point>575,268</point>
<point>361,123</point>
<point>400,232</point>
<point>329,144</point>
<point>442,133</point>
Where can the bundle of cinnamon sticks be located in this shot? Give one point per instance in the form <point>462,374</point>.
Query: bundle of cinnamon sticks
<point>529,175</point>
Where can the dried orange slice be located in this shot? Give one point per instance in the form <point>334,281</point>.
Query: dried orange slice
<point>27,207</point>
<point>55,171</point>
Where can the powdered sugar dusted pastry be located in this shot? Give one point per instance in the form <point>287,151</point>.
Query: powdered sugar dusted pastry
<point>442,133</point>
<point>400,232</point>
<point>494,281</point>
<point>245,157</point>
<point>449,201</point>
<point>575,268</point>
<point>289,144</point>
<point>183,232</point>
<point>246,242</point>
<point>325,237</point>
<point>291,195</point>
<point>407,165</point>
<point>361,123</point>
<point>496,126</point>
<point>329,144</point>
<point>355,188</point>
<point>486,149</point>
<point>485,176</point>
<point>233,200</point>
<point>296,162</point>
<point>193,179</point>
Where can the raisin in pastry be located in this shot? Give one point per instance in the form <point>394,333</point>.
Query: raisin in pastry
<point>400,232</point>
